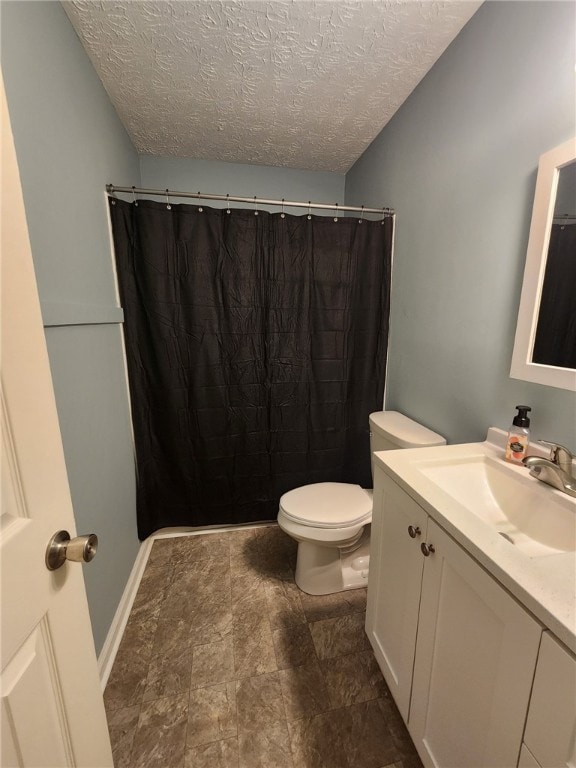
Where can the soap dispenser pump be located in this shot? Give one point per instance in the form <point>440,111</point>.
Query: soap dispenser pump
<point>518,435</point>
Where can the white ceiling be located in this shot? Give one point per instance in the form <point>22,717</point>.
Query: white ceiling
<point>294,83</point>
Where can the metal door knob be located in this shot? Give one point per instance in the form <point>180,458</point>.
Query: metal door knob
<point>427,549</point>
<point>413,531</point>
<point>61,547</point>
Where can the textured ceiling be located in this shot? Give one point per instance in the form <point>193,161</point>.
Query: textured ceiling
<point>295,83</point>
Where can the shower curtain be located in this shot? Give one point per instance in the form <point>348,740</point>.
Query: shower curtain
<point>256,349</point>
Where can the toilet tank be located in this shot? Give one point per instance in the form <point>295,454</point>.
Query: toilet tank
<point>390,430</point>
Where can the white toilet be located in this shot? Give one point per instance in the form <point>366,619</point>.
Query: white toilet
<point>331,521</point>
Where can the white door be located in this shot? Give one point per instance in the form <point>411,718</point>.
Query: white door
<point>52,708</point>
<point>475,658</point>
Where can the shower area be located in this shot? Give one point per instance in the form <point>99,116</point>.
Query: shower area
<point>256,348</point>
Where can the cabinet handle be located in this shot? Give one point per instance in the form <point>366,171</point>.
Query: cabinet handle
<point>427,549</point>
<point>413,531</point>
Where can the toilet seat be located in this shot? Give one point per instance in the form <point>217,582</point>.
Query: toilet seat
<point>327,505</point>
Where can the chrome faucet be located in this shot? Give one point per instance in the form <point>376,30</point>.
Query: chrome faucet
<point>559,455</point>
<point>556,471</point>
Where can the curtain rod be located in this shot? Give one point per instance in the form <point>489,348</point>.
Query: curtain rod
<point>168,193</point>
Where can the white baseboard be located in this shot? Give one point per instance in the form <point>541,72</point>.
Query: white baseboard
<point>114,636</point>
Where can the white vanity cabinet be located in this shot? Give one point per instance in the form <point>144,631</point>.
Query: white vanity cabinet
<point>550,733</point>
<point>457,651</point>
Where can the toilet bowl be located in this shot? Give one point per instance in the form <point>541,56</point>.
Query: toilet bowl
<point>331,521</point>
<point>328,520</point>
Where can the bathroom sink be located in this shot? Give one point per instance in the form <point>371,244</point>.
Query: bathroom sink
<point>530,515</point>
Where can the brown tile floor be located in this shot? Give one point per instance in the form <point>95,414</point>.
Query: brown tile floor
<point>225,663</point>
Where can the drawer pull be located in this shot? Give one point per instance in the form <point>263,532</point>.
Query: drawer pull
<point>427,549</point>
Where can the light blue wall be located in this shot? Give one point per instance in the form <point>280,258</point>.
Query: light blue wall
<point>566,192</point>
<point>187,175</point>
<point>69,143</point>
<point>458,163</point>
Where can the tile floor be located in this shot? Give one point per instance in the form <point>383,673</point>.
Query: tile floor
<point>226,664</point>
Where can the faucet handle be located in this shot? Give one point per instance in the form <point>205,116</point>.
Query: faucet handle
<point>559,455</point>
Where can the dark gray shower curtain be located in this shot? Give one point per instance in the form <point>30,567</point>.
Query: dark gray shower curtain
<point>256,349</point>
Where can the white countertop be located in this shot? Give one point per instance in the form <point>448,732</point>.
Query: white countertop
<point>546,585</point>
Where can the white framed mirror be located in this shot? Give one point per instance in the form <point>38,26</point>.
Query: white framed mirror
<point>545,342</point>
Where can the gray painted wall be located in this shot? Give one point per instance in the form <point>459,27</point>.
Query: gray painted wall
<point>458,163</point>
<point>69,143</point>
<point>566,192</point>
<point>187,175</point>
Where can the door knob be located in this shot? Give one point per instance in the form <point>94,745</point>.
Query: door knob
<point>61,547</point>
<point>427,549</point>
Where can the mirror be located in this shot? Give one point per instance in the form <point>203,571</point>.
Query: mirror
<point>545,343</point>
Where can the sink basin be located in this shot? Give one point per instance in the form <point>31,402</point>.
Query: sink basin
<point>527,513</point>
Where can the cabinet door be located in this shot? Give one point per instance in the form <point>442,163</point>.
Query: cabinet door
<point>475,659</point>
<point>551,729</point>
<point>396,566</point>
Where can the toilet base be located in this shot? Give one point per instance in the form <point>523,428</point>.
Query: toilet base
<point>324,570</point>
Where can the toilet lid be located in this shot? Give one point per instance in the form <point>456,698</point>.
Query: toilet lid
<point>327,505</point>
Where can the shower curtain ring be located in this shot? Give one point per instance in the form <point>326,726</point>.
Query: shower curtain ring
<point>309,209</point>
<point>134,195</point>
<point>282,215</point>
<point>361,215</point>
<point>227,203</point>
<point>255,210</point>
<point>200,209</point>
<point>383,216</point>
<point>168,206</point>
<point>336,217</point>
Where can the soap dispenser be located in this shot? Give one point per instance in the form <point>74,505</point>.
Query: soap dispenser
<point>518,435</point>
